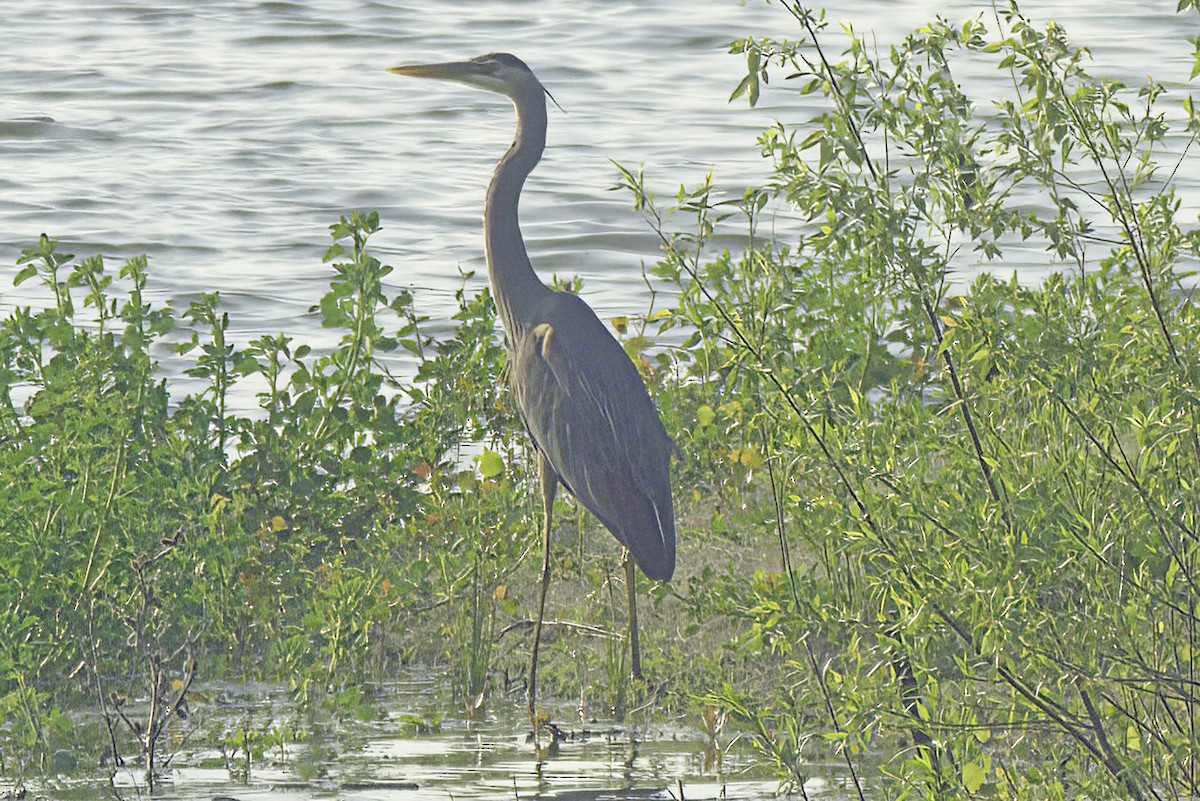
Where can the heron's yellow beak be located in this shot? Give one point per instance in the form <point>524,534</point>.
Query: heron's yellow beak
<point>482,73</point>
<point>448,70</point>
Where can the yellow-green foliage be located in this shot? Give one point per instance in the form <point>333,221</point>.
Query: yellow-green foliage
<point>985,503</point>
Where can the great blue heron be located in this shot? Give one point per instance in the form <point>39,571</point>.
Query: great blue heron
<point>585,406</point>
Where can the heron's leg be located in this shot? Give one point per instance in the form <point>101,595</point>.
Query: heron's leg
<point>635,651</point>
<point>549,481</point>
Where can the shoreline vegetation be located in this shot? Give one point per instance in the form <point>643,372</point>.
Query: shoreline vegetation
<point>951,541</point>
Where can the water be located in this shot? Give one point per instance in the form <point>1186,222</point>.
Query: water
<point>221,138</point>
<point>492,758</point>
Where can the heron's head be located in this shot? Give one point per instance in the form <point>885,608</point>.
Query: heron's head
<point>495,72</point>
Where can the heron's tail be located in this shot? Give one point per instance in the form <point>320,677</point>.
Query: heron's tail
<point>652,542</point>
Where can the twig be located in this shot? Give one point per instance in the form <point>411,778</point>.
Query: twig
<point>594,631</point>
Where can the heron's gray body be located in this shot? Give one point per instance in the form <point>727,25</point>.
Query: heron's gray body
<point>597,427</point>
<point>583,402</point>
<point>582,399</point>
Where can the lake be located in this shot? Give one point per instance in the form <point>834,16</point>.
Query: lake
<point>222,138</point>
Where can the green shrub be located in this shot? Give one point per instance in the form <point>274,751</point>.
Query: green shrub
<point>152,541</point>
<point>985,503</point>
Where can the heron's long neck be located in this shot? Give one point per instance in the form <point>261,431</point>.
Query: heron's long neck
<point>515,286</point>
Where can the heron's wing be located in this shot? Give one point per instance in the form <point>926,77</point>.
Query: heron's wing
<point>588,411</point>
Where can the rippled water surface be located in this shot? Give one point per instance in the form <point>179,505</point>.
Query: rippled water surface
<point>221,138</point>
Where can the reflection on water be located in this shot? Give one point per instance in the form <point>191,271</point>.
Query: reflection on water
<point>221,138</point>
<point>395,755</point>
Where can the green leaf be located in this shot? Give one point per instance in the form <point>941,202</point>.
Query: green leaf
<point>973,776</point>
<point>813,138</point>
<point>25,274</point>
<point>1133,737</point>
<point>491,464</point>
